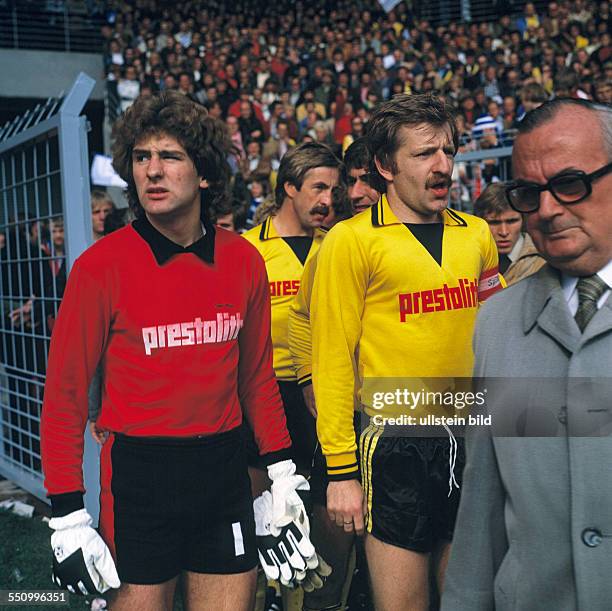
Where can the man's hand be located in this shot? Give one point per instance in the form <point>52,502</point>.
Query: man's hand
<point>22,316</point>
<point>309,399</point>
<point>82,564</point>
<point>99,436</point>
<point>345,505</point>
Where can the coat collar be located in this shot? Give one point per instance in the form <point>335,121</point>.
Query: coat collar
<point>544,304</point>
<point>382,215</point>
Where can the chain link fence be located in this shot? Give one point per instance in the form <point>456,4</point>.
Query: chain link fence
<point>45,223</point>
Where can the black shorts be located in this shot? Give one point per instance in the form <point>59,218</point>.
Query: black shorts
<point>406,486</point>
<point>172,505</point>
<point>301,425</point>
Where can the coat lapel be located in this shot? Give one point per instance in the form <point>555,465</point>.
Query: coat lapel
<point>545,306</point>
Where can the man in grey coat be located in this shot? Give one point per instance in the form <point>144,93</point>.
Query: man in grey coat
<point>534,530</point>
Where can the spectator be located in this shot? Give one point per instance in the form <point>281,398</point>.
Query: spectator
<point>518,257</point>
<point>532,96</point>
<point>102,206</point>
<point>254,165</point>
<point>128,87</point>
<point>258,193</point>
<point>251,127</point>
<point>236,137</point>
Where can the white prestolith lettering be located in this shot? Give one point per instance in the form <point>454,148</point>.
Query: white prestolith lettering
<point>193,332</point>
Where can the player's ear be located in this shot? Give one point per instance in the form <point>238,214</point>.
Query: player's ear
<point>204,183</point>
<point>384,172</point>
<point>290,190</point>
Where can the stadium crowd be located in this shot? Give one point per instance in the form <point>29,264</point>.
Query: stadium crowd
<point>284,73</point>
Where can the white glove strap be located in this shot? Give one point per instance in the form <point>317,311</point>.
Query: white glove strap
<point>72,520</point>
<point>284,468</point>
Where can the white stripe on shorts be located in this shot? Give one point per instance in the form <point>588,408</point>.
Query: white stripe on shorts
<point>238,540</point>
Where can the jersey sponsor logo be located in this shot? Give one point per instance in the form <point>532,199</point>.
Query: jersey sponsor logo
<point>464,295</point>
<point>278,288</point>
<point>193,332</point>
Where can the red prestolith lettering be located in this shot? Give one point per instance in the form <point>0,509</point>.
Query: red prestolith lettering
<point>464,295</point>
<point>280,288</point>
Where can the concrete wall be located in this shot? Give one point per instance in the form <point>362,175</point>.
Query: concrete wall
<point>40,74</point>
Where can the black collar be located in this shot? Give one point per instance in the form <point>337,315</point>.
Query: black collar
<point>164,249</point>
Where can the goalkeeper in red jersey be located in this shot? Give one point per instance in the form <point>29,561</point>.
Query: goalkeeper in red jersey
<point>177,314</point>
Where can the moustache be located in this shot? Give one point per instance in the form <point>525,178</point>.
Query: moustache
<point>555,226</point>
<point>322,210</point>
<point>439,180</point>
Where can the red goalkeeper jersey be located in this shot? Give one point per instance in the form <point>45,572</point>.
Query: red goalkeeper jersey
<point>183,336</point>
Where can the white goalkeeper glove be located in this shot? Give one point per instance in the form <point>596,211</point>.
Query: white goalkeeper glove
<point>283,530</point>
<point>284,552</point>
<point>82,563</point>
<point>287,504</point>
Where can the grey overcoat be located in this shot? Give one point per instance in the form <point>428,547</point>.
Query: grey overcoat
<point>534,530</point>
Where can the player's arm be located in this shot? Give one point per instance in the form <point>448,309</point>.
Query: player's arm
<point>336,309</point>
<point>79,336</point>
<point>257,387</point>
<point>82,563</point>
<point>300,344</point>
<point>490,281</point>
<point>337,306</point>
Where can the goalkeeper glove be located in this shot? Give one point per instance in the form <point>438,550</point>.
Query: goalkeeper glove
<point>288,493</point>
<point>282,526</point>
<point>315,578</point>
<point>82,563</point>
<point>284,550</point>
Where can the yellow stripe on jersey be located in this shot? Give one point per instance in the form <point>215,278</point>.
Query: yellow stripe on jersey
<point>382,307</point>
<point>284,276</point>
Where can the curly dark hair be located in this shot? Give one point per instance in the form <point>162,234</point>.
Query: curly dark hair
<point>205,139</point>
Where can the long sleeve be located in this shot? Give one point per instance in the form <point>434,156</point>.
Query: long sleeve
<point>79,335</point>
<point>257,387</point>
<point>337,305</point>
<point>300,341</point>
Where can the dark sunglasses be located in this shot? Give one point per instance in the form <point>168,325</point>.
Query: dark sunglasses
<point>567,188</point>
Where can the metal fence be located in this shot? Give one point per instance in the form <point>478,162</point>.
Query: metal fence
<point>23,26</point>
<point>443,12</point>
<point>474,170</point>
<point>45,223</point>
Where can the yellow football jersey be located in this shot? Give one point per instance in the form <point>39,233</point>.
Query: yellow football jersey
<point>284,276</point>
<point>382,307</point>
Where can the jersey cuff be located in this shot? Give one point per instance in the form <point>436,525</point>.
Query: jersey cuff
<point>342,466</point>
<point>272,457</point>
<point>305,380</point>
<point>63,504</point>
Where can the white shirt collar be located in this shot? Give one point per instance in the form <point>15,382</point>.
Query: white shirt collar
<point>513,255</point>
<point>568,284</point>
